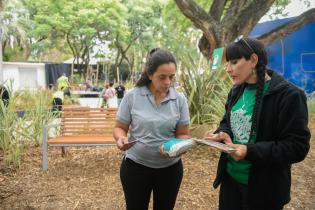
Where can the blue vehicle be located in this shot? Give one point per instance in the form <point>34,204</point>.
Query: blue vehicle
<point>293,56</point>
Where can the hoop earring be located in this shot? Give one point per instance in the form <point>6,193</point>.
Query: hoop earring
<point>254,73</point>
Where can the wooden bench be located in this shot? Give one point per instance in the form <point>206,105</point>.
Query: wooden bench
<point>81,127</point>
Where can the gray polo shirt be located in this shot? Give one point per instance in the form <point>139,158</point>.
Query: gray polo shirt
<point>152,124</point>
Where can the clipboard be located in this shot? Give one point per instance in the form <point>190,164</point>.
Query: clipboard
<point>131,142</point>
<point>217,145</point>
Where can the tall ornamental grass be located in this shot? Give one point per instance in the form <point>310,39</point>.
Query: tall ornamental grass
<point>205,89</point>
<point>311,106</point>
<point>38,114</point>
<point>18,131</point>
<point>11,134</point>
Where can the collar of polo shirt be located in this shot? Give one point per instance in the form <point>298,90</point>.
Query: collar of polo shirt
<point>172,93</point>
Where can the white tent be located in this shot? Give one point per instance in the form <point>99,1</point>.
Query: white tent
<point>24,75</point>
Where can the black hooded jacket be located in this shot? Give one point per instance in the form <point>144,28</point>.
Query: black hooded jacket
<point>282,139</point>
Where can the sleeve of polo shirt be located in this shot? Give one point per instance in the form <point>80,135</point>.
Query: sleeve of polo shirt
<point>124,111</point>
<point>184,111</point>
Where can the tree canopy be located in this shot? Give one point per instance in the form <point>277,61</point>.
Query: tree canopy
<point>55,30</point>
<point>80,23</point>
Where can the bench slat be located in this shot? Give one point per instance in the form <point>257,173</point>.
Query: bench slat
<point>99,113</point>
<point>87,120</point>
<point>82,140</point>
<point>88,108</point>
<point>89,129</point>
<point>108,134</point>
<point>88,126</point>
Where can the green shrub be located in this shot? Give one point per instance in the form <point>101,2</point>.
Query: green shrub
<point>206,91</point>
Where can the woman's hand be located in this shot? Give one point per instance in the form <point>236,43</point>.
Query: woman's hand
<point>123,144</point>
<point>164,154</point>
<point>240,152</point>
<point>221,136</point>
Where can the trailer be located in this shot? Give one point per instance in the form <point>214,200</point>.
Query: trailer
<point>293,56</point>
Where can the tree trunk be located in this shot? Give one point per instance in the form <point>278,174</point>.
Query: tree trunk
<point>131,67</point>
<point>1,5</point>
<point>226,20</point>
<point>117,61</point>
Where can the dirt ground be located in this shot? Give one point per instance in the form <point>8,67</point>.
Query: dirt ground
<point>88,178</point>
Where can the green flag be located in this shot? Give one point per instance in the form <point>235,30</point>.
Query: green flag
<point>217,58</point>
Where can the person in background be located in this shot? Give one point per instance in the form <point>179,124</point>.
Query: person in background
<point>152,112</point>
<point>120,92</point>
<point>4,95</point>
<point>58,98</point>
<point>103,95</point>
<point>266,122</point>
<point>110,96</point>
<point>63,84</point>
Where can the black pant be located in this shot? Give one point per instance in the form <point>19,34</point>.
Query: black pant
<point>139,181</point>
<point>234,196</point>
<point>57,105</point>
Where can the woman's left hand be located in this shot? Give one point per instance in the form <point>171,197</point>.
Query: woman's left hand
<point>240,153</point>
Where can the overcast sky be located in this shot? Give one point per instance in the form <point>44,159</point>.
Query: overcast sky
<point>295,8</point>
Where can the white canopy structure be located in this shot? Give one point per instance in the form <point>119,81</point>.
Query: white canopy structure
<point>93,61</point>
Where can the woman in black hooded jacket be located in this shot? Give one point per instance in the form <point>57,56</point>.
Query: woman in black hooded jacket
<point>266,122</point>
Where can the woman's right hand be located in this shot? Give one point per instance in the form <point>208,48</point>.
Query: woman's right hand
<point>123,144</point>
<point>164,154</point>
<point>221,136</point>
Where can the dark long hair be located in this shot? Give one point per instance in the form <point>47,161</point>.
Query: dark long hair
<point>155,58</point>
<point>244,48</point>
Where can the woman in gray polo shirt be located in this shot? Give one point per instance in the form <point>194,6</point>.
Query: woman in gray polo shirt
<point>152,113</point>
